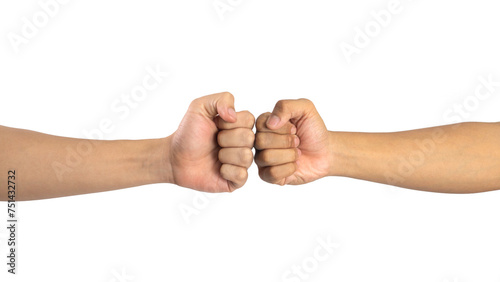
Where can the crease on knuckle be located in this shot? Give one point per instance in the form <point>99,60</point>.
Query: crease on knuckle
<point>260,141</point>
<point>241,175</point>
<point>267,156</point>
<point>247,157</point>
<point>258,159</point>
<point>273,174</point>
<point>267,174</point>
<point>249,119</point>
<point>249,138</point>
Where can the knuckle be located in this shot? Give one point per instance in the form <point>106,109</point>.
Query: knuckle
<point>251,120</point>
<point>247,156</point>
<point>248,116</point>
<point>280,105</point>
<point>291,140</point>
<point>264,174</point>
<point>223,171</point>
<point>261,121</point>
<point>260,141</point>
<point>273,174</point>
<point>241,175</point>
<point>195,103</point>
<point>307,102</point>
<point>249,137</point>
<point>226,94</point>
<point>257,158</point>
<point>266,156</point>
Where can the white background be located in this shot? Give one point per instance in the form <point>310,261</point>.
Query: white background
<point>65,78</point>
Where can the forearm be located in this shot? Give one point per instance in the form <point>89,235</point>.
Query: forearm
<point>50,166</point>
<point>462,158</point>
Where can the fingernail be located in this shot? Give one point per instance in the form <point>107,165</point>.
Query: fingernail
<point>232,113</point>
<point>293,130</point>
<point>273,121</point>
<point>297,141</point>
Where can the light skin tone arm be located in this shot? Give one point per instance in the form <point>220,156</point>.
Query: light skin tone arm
<point>460,158</point>
<point>210,151</point>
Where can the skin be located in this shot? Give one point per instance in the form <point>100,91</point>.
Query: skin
<point>460,158</point>
<point>210,151</point>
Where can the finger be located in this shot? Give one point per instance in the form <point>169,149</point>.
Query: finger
<point>235,174</point>
<point>238,137</point>
<point>221,104</point>
<point>236,156</point>
<point>277,174</point>
<point>243,119</point>
<point>275,157</point>
<point>268,140</point>
<point>261,126</point>
<point>286,110</point>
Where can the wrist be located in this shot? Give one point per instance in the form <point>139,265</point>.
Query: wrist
<point>159,164</point>
<point>339,160</point>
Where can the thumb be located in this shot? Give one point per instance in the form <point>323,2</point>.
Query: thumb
<point>286,110</point>
<point>221,104</point>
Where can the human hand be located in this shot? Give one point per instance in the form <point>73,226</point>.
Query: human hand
<point>292,144</point>
<point>212,148</point>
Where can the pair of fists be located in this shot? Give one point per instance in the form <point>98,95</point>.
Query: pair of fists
<point>212,148</point>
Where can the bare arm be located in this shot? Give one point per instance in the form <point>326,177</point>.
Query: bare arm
<point>50,166</point>
<point>461,158</point>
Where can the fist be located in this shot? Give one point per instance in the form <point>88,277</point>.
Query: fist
<point>212,148</point>
<point>292,144</point>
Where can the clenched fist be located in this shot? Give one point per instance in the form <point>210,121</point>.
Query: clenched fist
<point>212,148</point>
<point>292,144</point>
